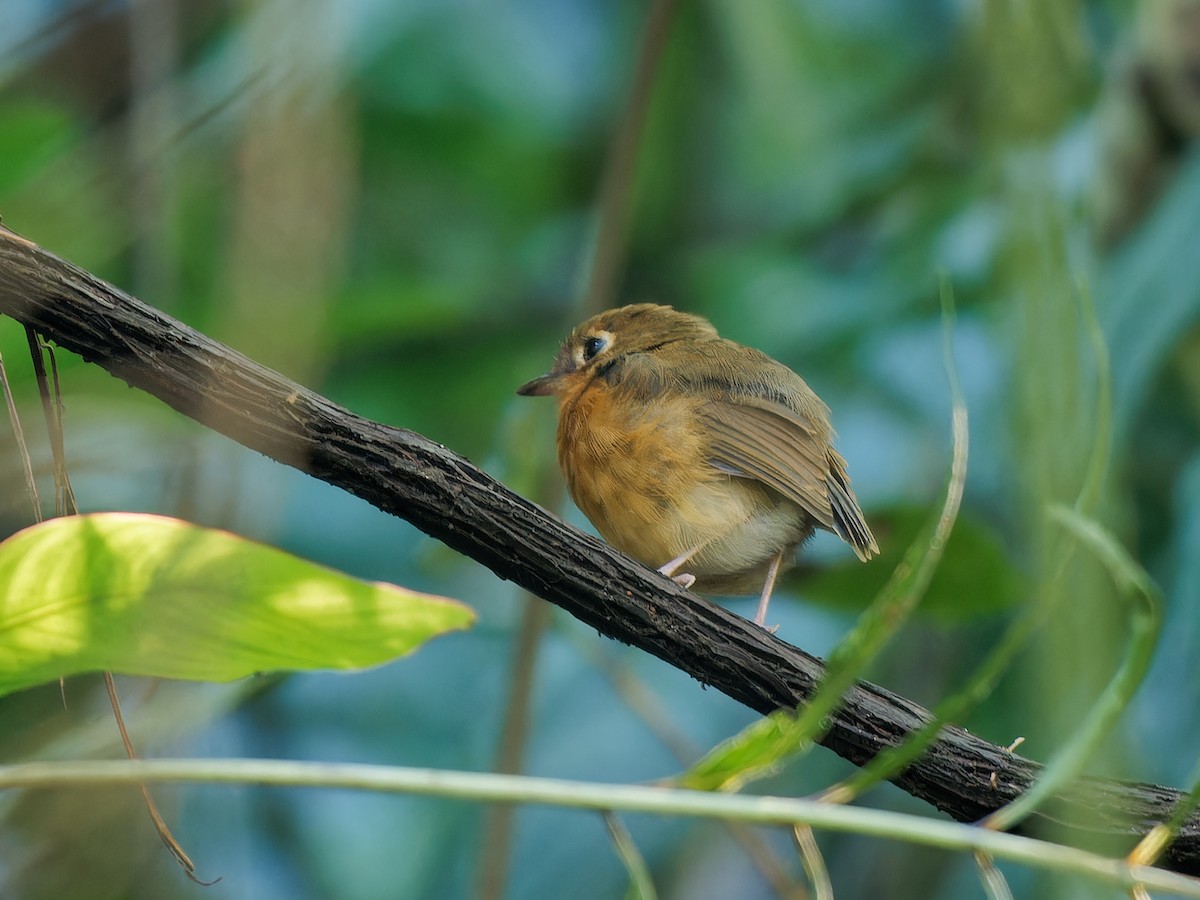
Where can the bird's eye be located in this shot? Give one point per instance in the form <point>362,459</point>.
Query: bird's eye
<point>593,345</point>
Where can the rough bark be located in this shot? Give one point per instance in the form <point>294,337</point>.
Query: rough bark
<point>444,495</point>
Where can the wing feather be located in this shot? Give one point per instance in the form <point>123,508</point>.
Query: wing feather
<point>848,520</point>
<point>772,429</point>
<point>780,452</point>
<point>761,440</point>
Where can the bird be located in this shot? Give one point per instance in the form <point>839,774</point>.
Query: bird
<point>696,455</point>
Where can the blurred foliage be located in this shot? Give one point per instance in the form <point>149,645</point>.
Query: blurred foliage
<point>393,202</point>
<point>975,577</point>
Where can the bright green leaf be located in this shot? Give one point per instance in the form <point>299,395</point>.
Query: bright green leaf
<point>147,595</point>
<point>758,750</point>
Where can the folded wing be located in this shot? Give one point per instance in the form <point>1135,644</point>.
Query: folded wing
<point>770,443</point>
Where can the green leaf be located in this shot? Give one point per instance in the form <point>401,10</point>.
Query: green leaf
<point>975,577</point>
<point>757,751</point>
<point>32,133</point>
<point>148,595</point>
<point>1145,602</point>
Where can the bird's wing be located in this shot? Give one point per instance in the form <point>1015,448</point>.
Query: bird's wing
<point>774,446</point>
<point>756,438</point>
<point>772,429</point>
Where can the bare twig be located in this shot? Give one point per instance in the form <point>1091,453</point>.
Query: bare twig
<point>50,391</point>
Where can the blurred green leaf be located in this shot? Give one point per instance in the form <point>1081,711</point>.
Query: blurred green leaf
<point>1153,294</point>
<point>148,595</point>
<point>1144,599</point>
<point>757,751</point>
<point>31,134</point>
<point>976,576</point>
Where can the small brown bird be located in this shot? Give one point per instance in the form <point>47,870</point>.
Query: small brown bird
<point>686,449</point>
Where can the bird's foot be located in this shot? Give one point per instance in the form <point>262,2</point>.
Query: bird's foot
<point>684,580</point>
<point>760,621</point>
<point>670,567</point>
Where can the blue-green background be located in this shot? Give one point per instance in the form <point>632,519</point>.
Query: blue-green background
<point>394,203</point>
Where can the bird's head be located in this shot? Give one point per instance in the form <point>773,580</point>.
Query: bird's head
<point>596,345</point>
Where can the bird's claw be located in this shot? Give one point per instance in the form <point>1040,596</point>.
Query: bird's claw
<point>684,580</point>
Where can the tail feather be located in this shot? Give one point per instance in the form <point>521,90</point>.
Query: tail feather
<point>848,521</point>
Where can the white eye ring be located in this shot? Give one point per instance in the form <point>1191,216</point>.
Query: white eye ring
<point>595,344</point>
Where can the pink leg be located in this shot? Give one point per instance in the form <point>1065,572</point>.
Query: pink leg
<point>760,617</point>
<point>670,568</point>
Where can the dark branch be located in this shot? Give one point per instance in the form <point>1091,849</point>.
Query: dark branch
<point>445,496</point>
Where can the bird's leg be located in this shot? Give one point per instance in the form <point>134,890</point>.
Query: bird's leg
<point>760,617</point>
<point>670,568</point>
<point>686,580</point>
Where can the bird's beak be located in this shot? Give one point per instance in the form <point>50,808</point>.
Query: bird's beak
<point>542,386</point>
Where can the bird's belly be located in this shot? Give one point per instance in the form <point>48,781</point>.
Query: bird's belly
<point>746,526</point>
<point>737,525</point>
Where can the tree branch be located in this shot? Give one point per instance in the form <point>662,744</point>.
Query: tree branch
<point>444,495</point>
